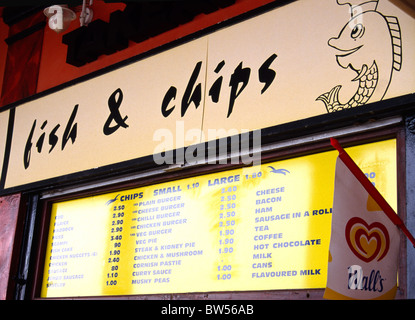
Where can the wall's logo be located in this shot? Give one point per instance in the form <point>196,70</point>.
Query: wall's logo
<point>370,45</point>
<point>359,281</point>
<point>367,242</point>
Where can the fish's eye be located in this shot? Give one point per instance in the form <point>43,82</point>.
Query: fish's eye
<point>357,31</point>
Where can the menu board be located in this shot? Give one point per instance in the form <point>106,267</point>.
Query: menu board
<point>264,227</point>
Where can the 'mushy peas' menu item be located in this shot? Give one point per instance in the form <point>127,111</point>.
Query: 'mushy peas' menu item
<point>255,228</point>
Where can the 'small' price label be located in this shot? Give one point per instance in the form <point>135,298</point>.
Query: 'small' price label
<point>259,228</point>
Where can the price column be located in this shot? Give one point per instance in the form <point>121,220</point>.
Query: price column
<point>227,229</point>
<point>114,253</point>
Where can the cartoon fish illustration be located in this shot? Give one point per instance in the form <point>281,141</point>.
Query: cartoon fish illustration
<point>370,45</point>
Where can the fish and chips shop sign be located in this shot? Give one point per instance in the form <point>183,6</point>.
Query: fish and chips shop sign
<point>296,61</point>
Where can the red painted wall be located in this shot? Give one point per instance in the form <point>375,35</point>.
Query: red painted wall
<point>22,62</point>
<point>4,31</point>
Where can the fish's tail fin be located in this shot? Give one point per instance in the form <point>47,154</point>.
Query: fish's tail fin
<point>395,32</point>
<point>331,98</point>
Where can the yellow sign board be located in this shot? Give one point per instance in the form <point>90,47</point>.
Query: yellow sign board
<point>294,62</point>
<point>264,227</point>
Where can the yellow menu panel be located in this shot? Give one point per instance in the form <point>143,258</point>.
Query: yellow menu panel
<point>258,228</point>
